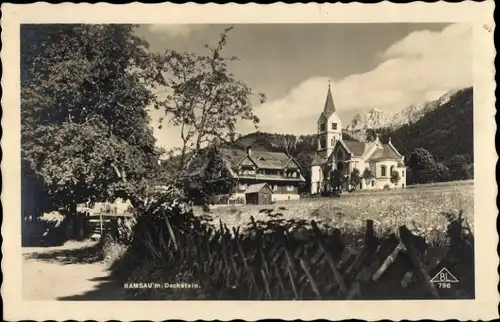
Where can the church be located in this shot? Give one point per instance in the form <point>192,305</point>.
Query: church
<point>375,160</point>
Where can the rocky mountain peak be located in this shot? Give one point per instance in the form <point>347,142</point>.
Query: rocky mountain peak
<point>376,118</point>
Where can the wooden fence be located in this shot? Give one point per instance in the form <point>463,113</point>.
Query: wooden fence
<point>99,225</point>
<point>315,265</point>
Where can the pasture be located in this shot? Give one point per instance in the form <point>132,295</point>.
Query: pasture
<point>422,209</point>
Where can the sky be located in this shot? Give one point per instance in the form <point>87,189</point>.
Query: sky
<point>384,66</point>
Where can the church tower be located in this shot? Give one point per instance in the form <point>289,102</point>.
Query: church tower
<point>329,127</point>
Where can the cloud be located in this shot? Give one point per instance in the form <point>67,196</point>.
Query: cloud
<point>176,30</point>
<point>420,67</point>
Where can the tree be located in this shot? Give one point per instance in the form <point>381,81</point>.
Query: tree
<point>368,175</point>
<point>395,177</point>
<point>356,122</point>
<point>335,179</point>
<point>208,176</point>
<point>203,98</point>
<point>355,178</point>
<point>460,167</point>
<point>422,165</point>
<point>85,124</point>
<point>442,173</point>
<point>285,143</point>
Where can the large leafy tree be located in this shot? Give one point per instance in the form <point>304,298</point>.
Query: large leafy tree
<point>203,98</point>
<point>85,125</point>
<point>422,165</point>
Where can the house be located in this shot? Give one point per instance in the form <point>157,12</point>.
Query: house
<point>381,159</point>
<point>259,194</point>
<point>247,168</point>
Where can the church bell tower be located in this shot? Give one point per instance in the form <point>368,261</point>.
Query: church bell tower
<point>329,127</point>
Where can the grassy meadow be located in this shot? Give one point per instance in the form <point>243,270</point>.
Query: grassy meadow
<point>422,209</point>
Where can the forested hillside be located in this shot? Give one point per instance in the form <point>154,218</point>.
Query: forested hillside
<point>445,132</point>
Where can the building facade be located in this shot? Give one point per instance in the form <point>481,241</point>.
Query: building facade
<point>250,169</point>
<point>375,161</point>
<point>259,194</point>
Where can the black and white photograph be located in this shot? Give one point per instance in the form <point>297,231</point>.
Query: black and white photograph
<point>328,161</point>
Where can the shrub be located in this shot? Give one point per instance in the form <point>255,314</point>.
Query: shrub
<point>395,177</point>
<point>355,178</point>
<point>368,175</point>
<point>112,249</point>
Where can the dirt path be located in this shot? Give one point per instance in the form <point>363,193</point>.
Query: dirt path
<point>69,272</point>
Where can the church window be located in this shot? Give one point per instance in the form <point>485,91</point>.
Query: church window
<point>383,170</point>
<point>334,126</point>
<point>322,143</point>
<point>402,174</point>
<point>322,127</point>
<point>392,170</point>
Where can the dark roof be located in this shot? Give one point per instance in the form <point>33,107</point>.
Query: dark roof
<point>257,187</point>
<point>233,157</point>
<point>329,105</point>
<point>387,152</point>
<point>263,159</point>
<point>357,148</point>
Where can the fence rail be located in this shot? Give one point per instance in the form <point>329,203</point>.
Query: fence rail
<point>98,225</point>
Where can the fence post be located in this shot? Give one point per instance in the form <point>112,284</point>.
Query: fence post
<point>418,266</point>
<point>100,225</point>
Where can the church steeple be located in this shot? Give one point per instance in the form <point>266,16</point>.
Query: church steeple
<point>329,127</point>
<point>329,105</point>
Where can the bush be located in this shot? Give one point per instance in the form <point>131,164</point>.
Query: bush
<point>126,230</point>
<point>113,250</point>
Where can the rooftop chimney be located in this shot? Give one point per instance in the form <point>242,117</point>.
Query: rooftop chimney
<point>249,150</point>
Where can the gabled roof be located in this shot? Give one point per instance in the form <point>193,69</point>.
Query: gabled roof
<point>263,159</point>
<point>355,147</point>
<point>363,150</point>
<point>369,146</point>
<point>233,158</point>
<point>386,153</point>
<point>257,187</point>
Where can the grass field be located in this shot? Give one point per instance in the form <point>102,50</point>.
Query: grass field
<point>422,209</point>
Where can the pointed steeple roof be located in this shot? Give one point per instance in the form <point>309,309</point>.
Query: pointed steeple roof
<point>329,105</point>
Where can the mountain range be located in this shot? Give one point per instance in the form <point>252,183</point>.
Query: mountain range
<point>376,118</point>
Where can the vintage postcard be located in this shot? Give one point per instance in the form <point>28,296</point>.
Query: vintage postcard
<point>249,162</point>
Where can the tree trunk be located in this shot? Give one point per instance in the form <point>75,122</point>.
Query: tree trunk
<point>70,221</point>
